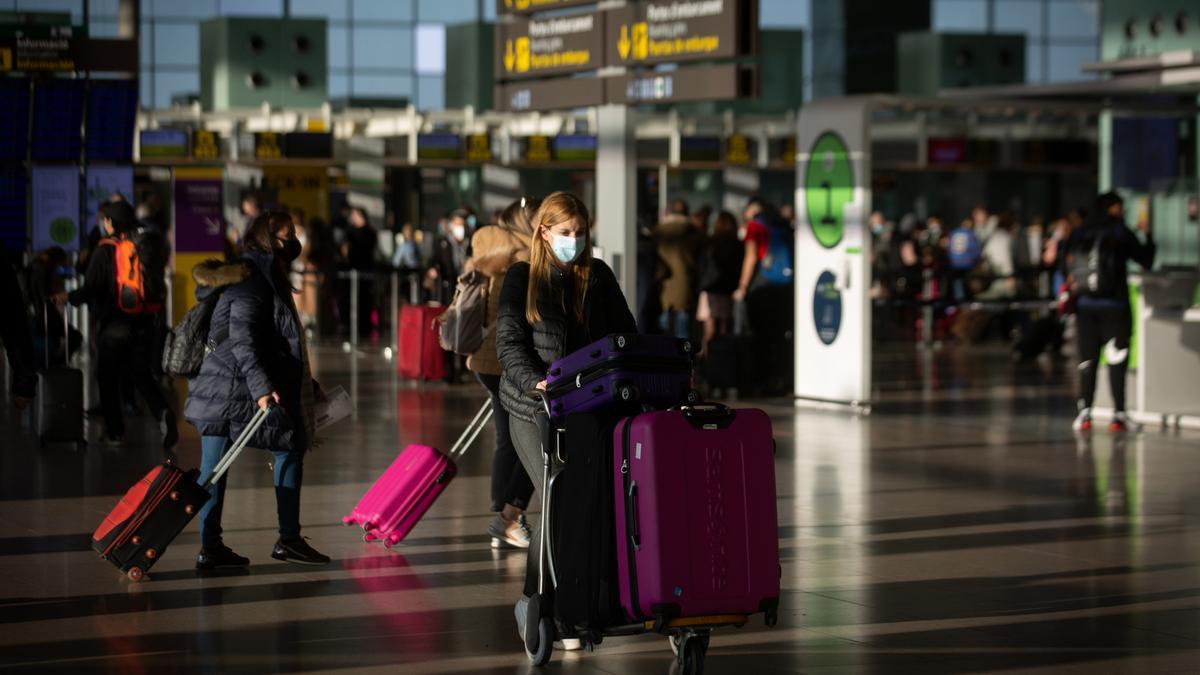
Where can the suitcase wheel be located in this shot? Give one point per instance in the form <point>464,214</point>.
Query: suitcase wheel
<point>690,647</point>
<point>135,573</point>
<point>693,396</point>
<point>545,642</point>
<point>627,392</point>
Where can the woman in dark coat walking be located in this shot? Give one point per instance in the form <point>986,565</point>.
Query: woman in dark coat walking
<point>558,302</point>
<point>260,361</point>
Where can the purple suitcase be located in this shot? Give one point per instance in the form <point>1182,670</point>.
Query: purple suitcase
<point>696,524</point>
<point>654,370</point>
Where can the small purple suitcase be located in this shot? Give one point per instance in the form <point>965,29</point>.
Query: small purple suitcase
<point>622,368</point>
<point>696,523</point>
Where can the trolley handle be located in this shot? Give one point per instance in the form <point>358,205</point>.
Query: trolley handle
<point>540,396</point>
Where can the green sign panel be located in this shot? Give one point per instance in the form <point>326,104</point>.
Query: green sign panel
<point>828,188</point>
<point>62,231</point>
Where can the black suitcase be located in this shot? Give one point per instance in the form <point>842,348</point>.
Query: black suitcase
<point>1035,337</point>
<point>582,529</point>
<point>58,404</point>
<point>136,533</point>
<point>730,363</point>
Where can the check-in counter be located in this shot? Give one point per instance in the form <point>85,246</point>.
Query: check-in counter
<point>1164,382</point>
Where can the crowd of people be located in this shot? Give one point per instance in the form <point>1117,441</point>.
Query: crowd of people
<point>701,275</point>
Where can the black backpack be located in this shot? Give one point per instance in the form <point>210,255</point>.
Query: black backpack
<point>188,342</point>
<point>153,253</point>
<point>1093,266</point>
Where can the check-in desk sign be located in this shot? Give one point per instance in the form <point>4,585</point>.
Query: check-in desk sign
<point>532,46</point>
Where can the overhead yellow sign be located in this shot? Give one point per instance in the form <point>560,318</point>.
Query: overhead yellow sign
<point>555,45</point>
<point>479,148</point>
<point>658,31</point>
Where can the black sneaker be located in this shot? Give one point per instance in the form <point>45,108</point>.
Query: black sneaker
<point>217,557</point>
<point>298,551</point>
<point>166,426</point>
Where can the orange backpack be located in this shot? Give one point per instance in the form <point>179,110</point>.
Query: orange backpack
<point>131,289</point>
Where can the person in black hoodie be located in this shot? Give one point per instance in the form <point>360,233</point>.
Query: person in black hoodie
<point>14,330</point>
<point>260,361</point>
<point>1096,266</point>
<point>124,342</point>
<point>558,302</point>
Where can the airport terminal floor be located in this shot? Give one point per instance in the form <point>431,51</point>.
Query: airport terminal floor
<point>961,527</point>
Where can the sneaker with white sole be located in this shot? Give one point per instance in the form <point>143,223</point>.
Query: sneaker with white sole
<point>513,533</point>
<point>1083,421</point>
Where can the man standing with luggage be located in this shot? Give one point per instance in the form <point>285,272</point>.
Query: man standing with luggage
<point>1096,266</point>
<point>126,325</point>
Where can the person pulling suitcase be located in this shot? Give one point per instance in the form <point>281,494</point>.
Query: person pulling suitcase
<point>258,358</point>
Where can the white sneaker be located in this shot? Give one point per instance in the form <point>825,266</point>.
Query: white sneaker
<point>1083,421</point>
<point>521,610</point>
<point>569,644</point>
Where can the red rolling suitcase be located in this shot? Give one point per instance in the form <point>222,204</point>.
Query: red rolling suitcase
<point>136,533</point>
<point>419,355</point>
<point>395,503</point>
<point>696,523</point>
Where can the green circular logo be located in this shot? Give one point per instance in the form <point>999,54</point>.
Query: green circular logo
<point>62,231</point>
<point>828,187</point>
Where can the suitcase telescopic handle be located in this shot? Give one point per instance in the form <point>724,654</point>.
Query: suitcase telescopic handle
<point>469,434</point>
<point>231,455</point>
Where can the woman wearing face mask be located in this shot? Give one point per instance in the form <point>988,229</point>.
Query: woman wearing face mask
<point>559,301</point>
<point>260,359</point>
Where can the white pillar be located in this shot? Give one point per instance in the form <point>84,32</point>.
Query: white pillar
<point>616,195</point>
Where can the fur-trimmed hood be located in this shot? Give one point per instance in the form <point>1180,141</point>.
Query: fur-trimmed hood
<point>219,273</point>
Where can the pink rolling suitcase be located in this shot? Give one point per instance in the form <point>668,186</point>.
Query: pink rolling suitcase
<point>401,496</point>
<point>697,530</point>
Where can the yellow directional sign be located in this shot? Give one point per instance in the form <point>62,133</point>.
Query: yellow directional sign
<point>479,148</point>
<point>552,45</point>
<point>669,31</point>
<point>522,55</point>
<point>204,144</point>
<point>737,150</point>
<point>641,41</point>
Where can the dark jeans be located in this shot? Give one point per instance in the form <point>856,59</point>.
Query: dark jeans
<point>1103,328</point>
<point>510,482</point>
<point>771,311</point>
<point>289,473</point>
<point>124,347</point>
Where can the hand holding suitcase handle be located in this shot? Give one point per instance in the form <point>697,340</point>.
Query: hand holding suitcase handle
<point>231,455</point>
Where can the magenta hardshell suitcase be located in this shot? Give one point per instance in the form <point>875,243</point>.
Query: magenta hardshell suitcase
<point>398,499</point>
<point>696,523</point>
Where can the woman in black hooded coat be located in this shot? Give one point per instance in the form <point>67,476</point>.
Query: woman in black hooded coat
<point>260,360</point>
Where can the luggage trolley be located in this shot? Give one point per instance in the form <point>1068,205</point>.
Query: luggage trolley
<point>688,636</point>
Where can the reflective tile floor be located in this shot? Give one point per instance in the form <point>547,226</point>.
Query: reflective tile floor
<point>959,528</point>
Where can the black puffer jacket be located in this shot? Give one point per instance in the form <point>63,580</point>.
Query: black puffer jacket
<point>526,351</point>
<point>259,352</point>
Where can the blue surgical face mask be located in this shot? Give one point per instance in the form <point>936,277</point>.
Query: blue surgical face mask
<point>565,248</point>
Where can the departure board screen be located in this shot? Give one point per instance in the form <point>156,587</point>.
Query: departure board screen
<point>57,120</point>
<point>14,119</point>
<point>12,207</point>
<point>112,115</point>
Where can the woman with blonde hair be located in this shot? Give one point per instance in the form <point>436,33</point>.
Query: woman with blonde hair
<point>495,249</point>
<point>559,301</point>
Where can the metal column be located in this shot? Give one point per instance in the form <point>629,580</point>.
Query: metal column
<point>616,195</point>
